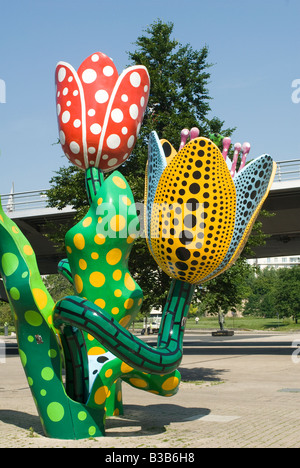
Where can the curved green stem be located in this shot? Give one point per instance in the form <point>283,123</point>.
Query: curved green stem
<point>164,359</point>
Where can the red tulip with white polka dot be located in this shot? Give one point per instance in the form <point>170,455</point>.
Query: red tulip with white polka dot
<point>99,112</point>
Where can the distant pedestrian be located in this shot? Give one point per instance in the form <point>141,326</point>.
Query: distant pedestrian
<point>197,320</point>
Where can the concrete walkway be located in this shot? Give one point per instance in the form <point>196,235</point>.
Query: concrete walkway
<point>242,391</point>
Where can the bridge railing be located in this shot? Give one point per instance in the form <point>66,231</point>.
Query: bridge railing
<point>30,200</point>
<point>21,201</point>
<point>288,170</point>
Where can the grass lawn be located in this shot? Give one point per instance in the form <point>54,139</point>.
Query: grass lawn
<point>245,323</point>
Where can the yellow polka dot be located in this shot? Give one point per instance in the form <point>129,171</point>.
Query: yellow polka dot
<point>100,303</point>
<point>40,297</point>
<point>117,223</point>
<point>126,200</point>
<point>113,256</point>
<point>79,241</point>
<point>99,239</point>
<point>116,412</point>
<point>138,383</point>
<point>100,395</point>
<point>90,337</point>
<point>82,264</point>
<point>140,301</point>
<point>99,220</point>
<point>125,368</point>
<point>131,238</point>
<point>87,221</point>
<point>96,350</point>
<point>119,182</point>
<point>94,255</point>
<point>69,249</point>
<point>1,218</point>
<point>170,383</point>
<point>15,230</point>
<point>119,395</point>
<point>118,293</point>
<point>115,310</point>
<point>117,275</point>
<point>125,321</point>
<point>108,373</point>
<point>97,279</point>
<point>50,320</point>
<point>128,303</point>
<point>27,249</point>
<point>78,284</point>
<point>99,201</point>
<point>129,283</point>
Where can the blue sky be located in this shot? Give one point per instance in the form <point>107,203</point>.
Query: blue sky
<point>254,46</point>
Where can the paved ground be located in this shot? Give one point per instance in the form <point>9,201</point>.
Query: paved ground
<point>242,391</point>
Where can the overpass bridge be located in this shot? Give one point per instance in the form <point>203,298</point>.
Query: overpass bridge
<point>30,212</point>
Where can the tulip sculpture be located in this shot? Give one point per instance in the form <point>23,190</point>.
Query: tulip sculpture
<point>198,218</point>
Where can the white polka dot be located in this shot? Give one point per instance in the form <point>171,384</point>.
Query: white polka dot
<point>142,101</point>
<point>134,111</point>
<point>79,163</point>
<point>92,162</point>
<point>62,137</point>
<point>145,88</point>
<point>58,109</point>
<point>75,93</point>
<point>112,162</point>
<point>58,93</point>
<point>89,76</point>
<point>91,112</point>
<point>61,74</point>
<point>138,129</point>
<point>95,58</point>
<point>70,79</point>
<point>130,141</point>
<point>124,97</point>
<point>108,71</point>
<point>125,156</point>
<point>117,115</point>
<point>124,130</point>
<point>113,141</point>
<point>95,128</point>
<point>66,117</point>
<point>65,91</point>
<point>69,103</point>
<point>135,79</point>
<point>77,123</point>
<point>105,156</point>
<point>74,147</point>
<point>101,96</point>
<point>92,150</point>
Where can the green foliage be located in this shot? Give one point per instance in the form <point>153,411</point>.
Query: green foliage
<point>226,292</point>
<point>275,293</point>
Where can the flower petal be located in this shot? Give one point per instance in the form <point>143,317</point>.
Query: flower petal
<point>194,212</point>
<point>98,75</point>
<point>168,149</point>
<point>154,169</point>
<point>71,114</point>
<point>123,117</point>
<point>252,184</point>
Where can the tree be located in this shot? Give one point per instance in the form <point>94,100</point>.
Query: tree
<point>261,300</point>
<point>287,293</point>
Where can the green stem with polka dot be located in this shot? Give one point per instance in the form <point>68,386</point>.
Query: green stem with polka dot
<point>39,348</point>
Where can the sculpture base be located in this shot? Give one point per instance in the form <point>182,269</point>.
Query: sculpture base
<point>223,333</point>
